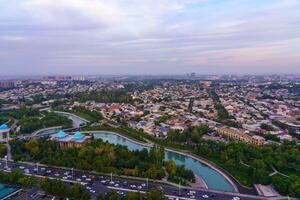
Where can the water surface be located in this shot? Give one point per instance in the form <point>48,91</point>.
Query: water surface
<point>5,190</point>
<point>213,179</point>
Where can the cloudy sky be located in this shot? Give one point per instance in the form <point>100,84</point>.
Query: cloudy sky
<point>149,36</point>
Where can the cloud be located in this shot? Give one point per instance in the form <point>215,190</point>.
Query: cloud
<point>134,35</point>
<point>116,16</point>
<point>71,13</point>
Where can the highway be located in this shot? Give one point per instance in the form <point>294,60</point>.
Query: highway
<point>96,184</point>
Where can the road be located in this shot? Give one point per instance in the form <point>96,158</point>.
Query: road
<point>97,184</point>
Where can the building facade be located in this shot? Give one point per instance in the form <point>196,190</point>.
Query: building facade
<point>240,136</point>
<point>68,141</point>
<point>4,133</point>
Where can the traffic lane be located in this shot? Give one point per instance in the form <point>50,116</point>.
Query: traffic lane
<point>195,194</point>
<point>64,174</point>
<point>68,175</point>
<point>58,173</point>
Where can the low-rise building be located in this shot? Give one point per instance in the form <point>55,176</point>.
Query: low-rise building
<point>67,141</point>
<point>4,133</point>
<point>240,136</point>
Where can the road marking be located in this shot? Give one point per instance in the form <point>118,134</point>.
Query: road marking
<point>143,192</point>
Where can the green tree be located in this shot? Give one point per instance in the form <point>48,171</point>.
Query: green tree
<point>79,193</point>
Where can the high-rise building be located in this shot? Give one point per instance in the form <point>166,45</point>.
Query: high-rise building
<point>78,78</point>
<point>7,84</point>
<point>190,106</point>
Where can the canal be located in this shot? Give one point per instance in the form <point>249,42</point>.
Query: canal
<point>77,121</point>
<point>212,177</point>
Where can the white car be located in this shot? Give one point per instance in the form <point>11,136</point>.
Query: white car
<point>236,198</point>
<point>56,174</point>
<point>65,178</point>
<point>205,196</point>
<point>21,167</point>
<point>88,179</point>
<point>117,185</point>
<point>78,179</point>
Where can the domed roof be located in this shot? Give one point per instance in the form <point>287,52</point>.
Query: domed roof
<point>78,136</point>
<point>3,127</point>
<point>61,134</point>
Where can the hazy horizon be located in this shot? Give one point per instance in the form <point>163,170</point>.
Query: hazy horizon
<point>149,37</point>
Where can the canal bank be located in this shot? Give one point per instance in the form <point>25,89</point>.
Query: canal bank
<point>8,191</point>
<point>189,160</point>
<point>213,177</point>
<point>77,121</point>
<point>231,179</point>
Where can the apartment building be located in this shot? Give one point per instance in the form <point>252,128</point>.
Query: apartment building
<point>240,136</point>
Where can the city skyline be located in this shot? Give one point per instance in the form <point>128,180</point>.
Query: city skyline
<point>70,37</point>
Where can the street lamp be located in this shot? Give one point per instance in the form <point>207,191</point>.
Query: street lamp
<point>6,162</point>
<point>179,188</point>
<point>147,183</point>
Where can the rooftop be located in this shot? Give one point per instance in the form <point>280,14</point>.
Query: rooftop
<point>64,137</point>
<point>78,136</point>
<point>4,127</point>
<point>61,134</point>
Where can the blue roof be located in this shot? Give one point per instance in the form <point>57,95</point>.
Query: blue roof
<point>78,136</point>
<point>3,127</point>
<point>61,134</point>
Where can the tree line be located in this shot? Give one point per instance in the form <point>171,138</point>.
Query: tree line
<point>58,188</point>
<point>253,165</point>
<point>31,124</point>
<point>249,164</point>
<point>98,156</point>
<point>189,135</point>
<point>92,116</point>
<point>17,178</point>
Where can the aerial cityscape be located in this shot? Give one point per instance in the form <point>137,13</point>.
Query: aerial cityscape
<point>150,100</point>
<point>189,136</point>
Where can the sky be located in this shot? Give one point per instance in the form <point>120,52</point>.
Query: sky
<point>40,37</point>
